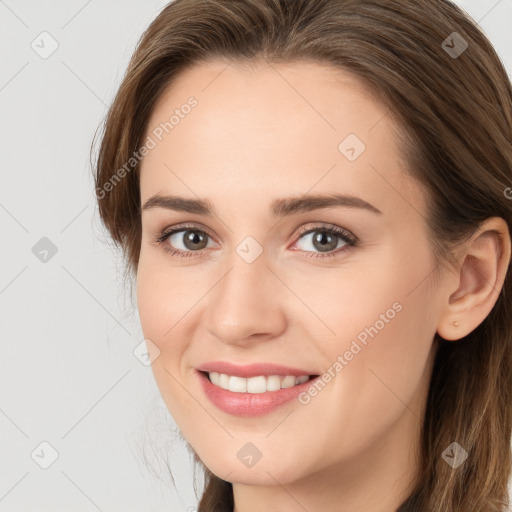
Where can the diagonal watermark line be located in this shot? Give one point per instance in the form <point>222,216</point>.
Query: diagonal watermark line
<point>301,95</point>
<point>119,380</point>
<point>225,477</point>
<point>84,83</point>
<point>14,218</point>
<point>216,76</point>
<point>387,113</point>
<point>301,300</point>
<point>199,300</point>
<point>305,193</point>
<point>456,260</point>
<point>74,218</point>
<point>485,279</point>
<point>287,492</point>
<point>14,485</point>
<point>395,394</point>
<point>418,212</point>
<point>13,423</point>
<point>197,401</point>
<point>97,301</point>
<point>13,279</point>
<point>14,76</point>
<point>375,124</point>
<point>279,424</point>
<point>460,260</point>
<point>13,13</point>
<point>165,165</point>
<point>76,14</point>
<point>424,279</point>
<point>489,11</point>
<point>81,491</point>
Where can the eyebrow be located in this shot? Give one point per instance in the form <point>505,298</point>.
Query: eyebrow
<point>278,208</point>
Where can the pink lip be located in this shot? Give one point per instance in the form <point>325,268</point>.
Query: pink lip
<point>252,370</point>
<point>250,404</point>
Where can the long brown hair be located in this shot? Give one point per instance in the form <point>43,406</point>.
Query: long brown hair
<point>453,106</point>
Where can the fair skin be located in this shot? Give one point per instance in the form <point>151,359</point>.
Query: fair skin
<point>270,132</point>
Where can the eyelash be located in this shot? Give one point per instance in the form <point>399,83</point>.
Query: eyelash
<point>350,241</point>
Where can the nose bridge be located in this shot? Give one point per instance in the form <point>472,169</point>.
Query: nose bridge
<point>243,286</point>
<point>245,300</point>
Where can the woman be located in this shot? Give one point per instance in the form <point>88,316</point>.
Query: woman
<point>314,197</point>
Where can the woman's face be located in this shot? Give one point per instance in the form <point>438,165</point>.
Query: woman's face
<point>264,280</point>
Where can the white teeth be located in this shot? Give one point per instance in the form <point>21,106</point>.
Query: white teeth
<point>259,384</point>
<point>223,380</point>
<point>256,384</point>
<point>237,384</point>
<point>288,381</point>
<point>273,383</point>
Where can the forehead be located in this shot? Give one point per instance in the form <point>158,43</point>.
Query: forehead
<point>268,95</point>
<point>265,126</point>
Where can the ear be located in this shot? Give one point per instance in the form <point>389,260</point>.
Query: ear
<point>478,281</point>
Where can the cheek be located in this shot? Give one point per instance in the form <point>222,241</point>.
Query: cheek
<point>386,381</point>
<point>163,295</point>
<point>376,311</point>
<point>165,302</point>
<point>372,291</point>
<point>385,329</point>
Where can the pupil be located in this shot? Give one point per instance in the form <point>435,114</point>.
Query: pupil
<point>194,238</point>
<point>322,240</point>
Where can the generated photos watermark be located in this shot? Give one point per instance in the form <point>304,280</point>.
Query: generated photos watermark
<point>150,143</point>
<point>355,348</point>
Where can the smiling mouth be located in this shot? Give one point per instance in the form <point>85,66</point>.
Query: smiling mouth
<point>257,384</point>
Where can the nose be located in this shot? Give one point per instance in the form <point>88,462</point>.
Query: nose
<point>247,303</point>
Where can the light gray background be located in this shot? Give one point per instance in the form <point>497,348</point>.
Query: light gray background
<point>68,375</point>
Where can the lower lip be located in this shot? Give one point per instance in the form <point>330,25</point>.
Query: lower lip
<point>250,404</point>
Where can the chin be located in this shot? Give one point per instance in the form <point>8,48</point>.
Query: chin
<point>262,473</point>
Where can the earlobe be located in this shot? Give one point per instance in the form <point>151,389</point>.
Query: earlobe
<point>453,331</point>
<point>481,275</point>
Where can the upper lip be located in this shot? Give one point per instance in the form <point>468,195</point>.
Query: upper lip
<point>251,370</point>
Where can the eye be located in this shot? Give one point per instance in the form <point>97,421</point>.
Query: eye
<point>184,241</point>
<point>325,240</point>
<point>189,241</point>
